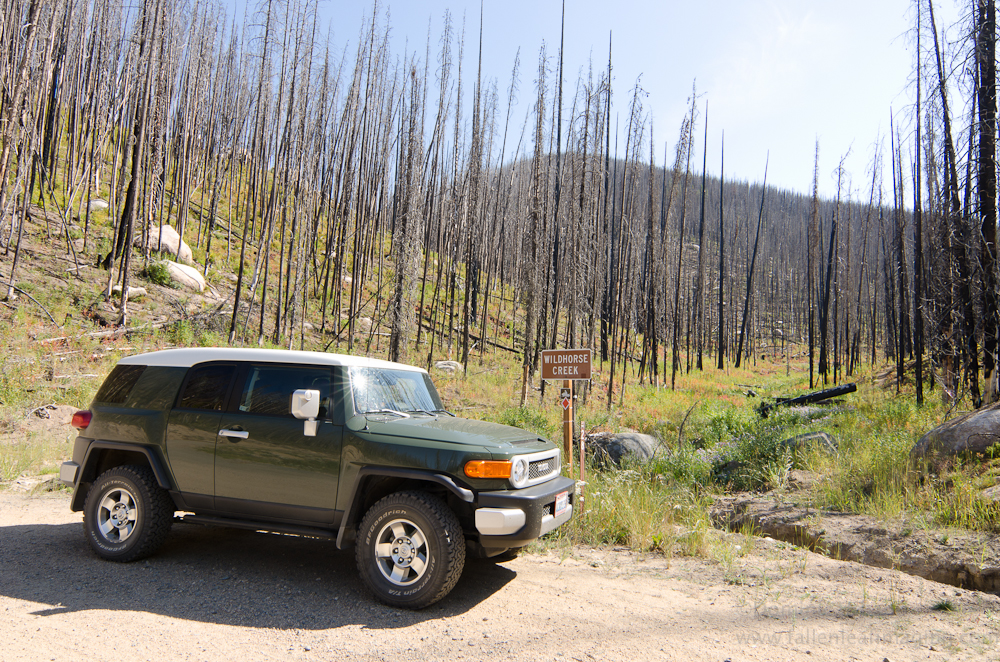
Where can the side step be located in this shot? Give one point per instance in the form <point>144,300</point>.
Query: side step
<point>271,527</point>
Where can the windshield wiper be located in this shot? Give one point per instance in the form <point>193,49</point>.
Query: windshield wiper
<point>401,414</point>
<point>445,411</point>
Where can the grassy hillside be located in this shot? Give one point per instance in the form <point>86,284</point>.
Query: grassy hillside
<point>59,341</point>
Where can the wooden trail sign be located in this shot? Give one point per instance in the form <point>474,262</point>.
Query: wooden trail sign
<point>562,364</point>
<point>566,365</point>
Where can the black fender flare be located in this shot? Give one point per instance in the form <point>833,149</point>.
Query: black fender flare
<point>88,470</point>
<point>345,536</point>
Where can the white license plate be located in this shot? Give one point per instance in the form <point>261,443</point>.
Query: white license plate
<point>562,503</point>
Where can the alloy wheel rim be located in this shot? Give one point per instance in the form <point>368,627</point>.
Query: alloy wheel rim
<point>401,552</point>
<point>117,513</point>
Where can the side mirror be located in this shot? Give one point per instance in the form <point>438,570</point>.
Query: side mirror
<point>305,406</point>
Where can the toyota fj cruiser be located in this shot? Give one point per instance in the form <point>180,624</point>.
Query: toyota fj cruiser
<point>356,450</point>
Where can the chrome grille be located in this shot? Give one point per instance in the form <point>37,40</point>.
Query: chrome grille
<point>542,468</point>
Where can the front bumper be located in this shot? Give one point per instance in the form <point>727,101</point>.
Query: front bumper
<point>514,518</point>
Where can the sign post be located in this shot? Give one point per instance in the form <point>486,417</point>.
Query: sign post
<point>566,365</point>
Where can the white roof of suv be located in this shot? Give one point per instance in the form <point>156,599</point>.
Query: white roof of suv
<point>185,358</point>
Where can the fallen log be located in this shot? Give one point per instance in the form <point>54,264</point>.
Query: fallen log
<point>816,396</point>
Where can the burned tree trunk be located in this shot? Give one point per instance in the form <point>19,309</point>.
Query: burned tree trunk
<point>987,188</point>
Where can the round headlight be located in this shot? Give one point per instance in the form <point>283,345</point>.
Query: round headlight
<point>519,472</point>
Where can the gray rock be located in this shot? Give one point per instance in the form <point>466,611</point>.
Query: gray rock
<point>966,436</point>
<point>963,561</point>
<point>185,276</point>
<point>133,292</point>
<point>822,439</point>
<point>167,242</point>
<point>97,204</point>
<point>991,493</point>
<point>615,448</point>
<point>450,367</point>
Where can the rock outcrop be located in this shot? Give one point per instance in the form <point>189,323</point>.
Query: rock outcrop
<point>961,558</point>
<point>966,437</point>
<point>166,242</point>
<point>616,448</point>
<point>185,276</point>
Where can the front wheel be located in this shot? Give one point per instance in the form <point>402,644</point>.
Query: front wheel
<point>127,515</point>
<point>410,549</point>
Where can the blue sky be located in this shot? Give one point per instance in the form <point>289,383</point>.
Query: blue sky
<point>777,74</point>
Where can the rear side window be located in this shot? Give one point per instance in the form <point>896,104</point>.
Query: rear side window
<point>268,389</point>
<point>116,388</point>
<point>207,387</point>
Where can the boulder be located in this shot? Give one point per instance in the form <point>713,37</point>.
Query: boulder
<point>967,436</point>
<point>167,242</point>
<point>450,367</point>
<point>822,440</point>
<point>991,493</point>
<point>616,448</point>
<point>185,276</point>
<point>97,204</point>
<point>133,292</point>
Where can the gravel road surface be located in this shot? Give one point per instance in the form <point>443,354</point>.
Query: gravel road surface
<point>219,595</point>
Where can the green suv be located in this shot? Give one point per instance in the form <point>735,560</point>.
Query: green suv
<point>356,450</point>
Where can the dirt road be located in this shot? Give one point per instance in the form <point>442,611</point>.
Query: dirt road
<point>218,594</point>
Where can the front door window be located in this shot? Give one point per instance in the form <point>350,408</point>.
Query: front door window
<point>263,456</point>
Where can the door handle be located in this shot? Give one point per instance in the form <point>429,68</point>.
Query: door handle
<point>234,434</point>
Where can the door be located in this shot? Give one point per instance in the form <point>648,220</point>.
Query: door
<point>192,431</point>
<point>265,465</point>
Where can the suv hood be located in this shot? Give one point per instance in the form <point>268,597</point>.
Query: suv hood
<point>457,431</point>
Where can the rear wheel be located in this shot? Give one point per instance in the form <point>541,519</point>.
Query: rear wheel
<point>127,515</point>
<point>410,549</point>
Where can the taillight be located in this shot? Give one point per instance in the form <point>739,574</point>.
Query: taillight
<point>81,419</point>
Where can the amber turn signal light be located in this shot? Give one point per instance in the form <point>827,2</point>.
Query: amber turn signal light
<point>487,469</point>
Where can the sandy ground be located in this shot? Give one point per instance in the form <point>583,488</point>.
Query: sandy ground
<point>217,594</point>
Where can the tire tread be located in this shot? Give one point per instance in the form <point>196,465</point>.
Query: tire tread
<point>158,518</point>
<point>453,554</point>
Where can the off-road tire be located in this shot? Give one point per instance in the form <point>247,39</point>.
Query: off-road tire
<point>127,515</point>
<point>410,549</point>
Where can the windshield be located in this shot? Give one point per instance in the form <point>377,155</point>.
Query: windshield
<point>385,390</point>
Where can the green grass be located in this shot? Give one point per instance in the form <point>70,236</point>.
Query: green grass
<point>19,458</point>
<point>156,272</point>
<point>641,509</point>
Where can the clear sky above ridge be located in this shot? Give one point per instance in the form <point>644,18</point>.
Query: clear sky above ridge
<point>777,74</point>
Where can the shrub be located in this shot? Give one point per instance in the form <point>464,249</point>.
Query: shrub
<point>719,425</point>
<point>687,466</point>
<point>754,457</point>
<point>156,272</point>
